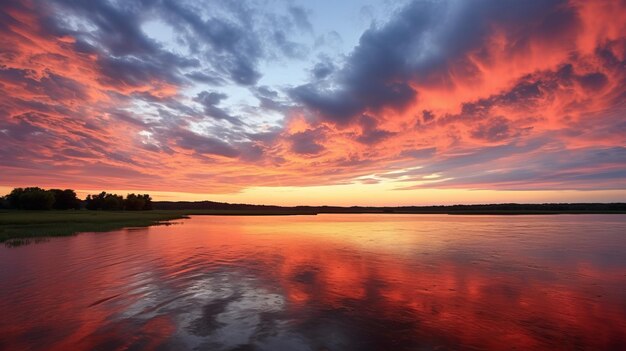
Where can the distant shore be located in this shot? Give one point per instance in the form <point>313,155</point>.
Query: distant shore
<point>22,224</point>
<point>483,209</point>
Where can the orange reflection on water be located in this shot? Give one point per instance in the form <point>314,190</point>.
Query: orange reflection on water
<point>340,282</point>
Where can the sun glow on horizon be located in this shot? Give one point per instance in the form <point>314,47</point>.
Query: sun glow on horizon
<point>369,195</point>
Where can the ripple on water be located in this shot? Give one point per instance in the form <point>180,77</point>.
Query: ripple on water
<point>341,282</point>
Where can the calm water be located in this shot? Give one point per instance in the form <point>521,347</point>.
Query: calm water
<point>328,282</point>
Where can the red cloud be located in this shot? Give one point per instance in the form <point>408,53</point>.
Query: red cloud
<point>498,78</point>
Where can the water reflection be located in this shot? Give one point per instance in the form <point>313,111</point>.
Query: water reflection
<point>333,282</point>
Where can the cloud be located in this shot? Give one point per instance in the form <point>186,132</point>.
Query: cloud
<point>203,144</point>
<point>495,129</point>
<point>593,81</point>
<point>270,99</point>
<point>370,133</point>
<point>301,18</point>
<point>490,95</point>
<point>323,68</point>
<point>426,43</point>
<point>307,142</point>
<point>423,153</point>
<point>541,164</point>
<point>210,100</point>
<point>236,49</point>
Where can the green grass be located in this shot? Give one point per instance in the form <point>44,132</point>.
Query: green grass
<point>32,224</point>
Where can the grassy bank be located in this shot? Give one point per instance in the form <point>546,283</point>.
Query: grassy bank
<point>28,224</point>
<point>31,224</point>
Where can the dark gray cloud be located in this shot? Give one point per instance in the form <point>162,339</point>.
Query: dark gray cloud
<point>52,85</point>
<point>323,69</point>
<point>203,144</point>
<point>130,71</point>
<point>265,137</point>
<point>370,133</point>
<point>210,100</point>
<point>126,55</point>
<point>494,129</point>
<point>117,29</point>
<point>593,81</point>
<point>211,78</point>
<point>226,40</point>
<point>228,43</point>
<point>289,48</point>
<point>307,142</point>
<point>23,130</point>
<point>250,152</point>
<point>422,153</point>
<point>301,18</point>
<point>417,45</point>
<point>427,116</point>
<point>270,99</point>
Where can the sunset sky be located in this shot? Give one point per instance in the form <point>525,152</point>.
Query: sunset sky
<point>316,102</point>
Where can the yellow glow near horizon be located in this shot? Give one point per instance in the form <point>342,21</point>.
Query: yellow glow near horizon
<point>381,194</point>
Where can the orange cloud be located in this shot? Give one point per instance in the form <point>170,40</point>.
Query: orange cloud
<point>517,87</point>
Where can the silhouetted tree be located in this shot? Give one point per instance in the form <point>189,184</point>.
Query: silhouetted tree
<point>4,203</point>
<point>94,202</point>
<point>147,202</point>
<point>65,199</point>
<point>13,198</point>
<point>113,202</point>
<point>104,201</point>
<point>32,198</point>
<point>134,202</point>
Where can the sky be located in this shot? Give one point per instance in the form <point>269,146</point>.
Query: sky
<point>316,102</point>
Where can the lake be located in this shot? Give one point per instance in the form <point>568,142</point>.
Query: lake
<point>326,282</point>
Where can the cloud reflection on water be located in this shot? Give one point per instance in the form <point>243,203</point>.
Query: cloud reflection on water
<point>326,282</point>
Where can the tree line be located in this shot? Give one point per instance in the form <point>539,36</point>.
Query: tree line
<point>35,198</point>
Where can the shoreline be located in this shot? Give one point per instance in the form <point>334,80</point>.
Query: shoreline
<point>20,224</point>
